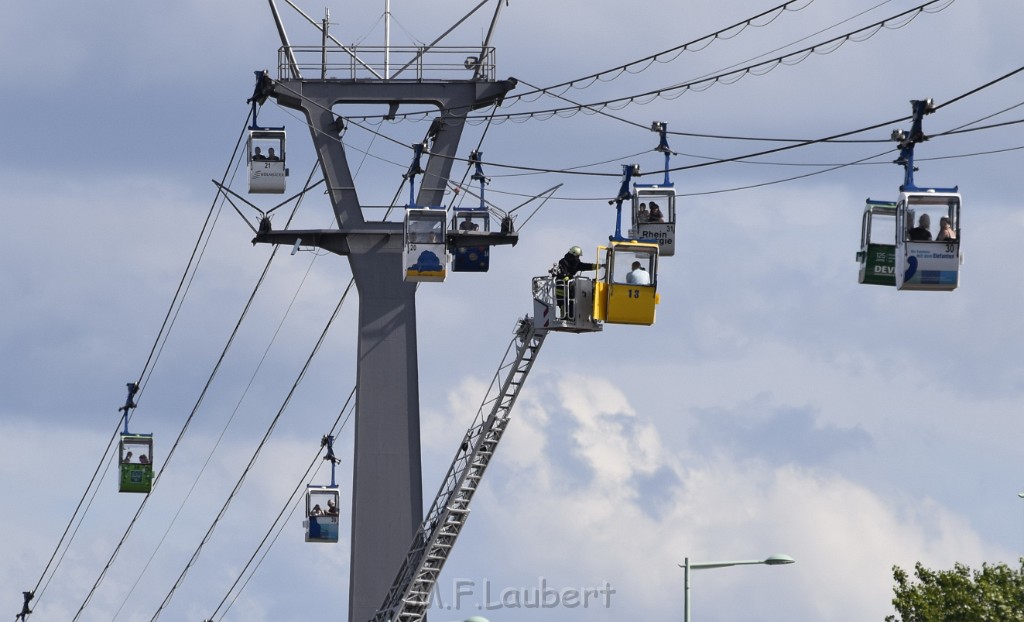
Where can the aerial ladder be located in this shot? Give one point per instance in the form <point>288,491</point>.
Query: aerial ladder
<point>409,596</point>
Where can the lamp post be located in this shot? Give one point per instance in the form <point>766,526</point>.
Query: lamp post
<point>774,560</point>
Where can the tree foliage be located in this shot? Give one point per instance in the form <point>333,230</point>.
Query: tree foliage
<point>993,594</point>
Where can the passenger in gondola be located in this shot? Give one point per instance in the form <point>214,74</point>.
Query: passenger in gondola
<point>642,215</point>
<point>332,508</point>
<point>655,214</point>
<point>468,225</point>
<point>316,511</point>
<point>257,154</point>
<point>945,230</point>
<point>271,155</point>
<point>922,231</point>
<point>143,459</point>
<point>127,458</point>
<point>638,276</point>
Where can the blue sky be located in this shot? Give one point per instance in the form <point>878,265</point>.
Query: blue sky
<point>775,407</point>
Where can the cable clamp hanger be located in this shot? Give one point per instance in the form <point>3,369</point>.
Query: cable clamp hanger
<point>129,403</point>
<point>414,170</point>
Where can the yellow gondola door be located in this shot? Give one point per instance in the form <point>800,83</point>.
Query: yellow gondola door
<point>628,292</point>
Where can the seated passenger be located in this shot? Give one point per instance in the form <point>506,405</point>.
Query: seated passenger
<point>468,225</point>
<point>271,155</point>
<point>921,231</point>
<point>257,154</point>
<point>656,215</point>
<point>638,276</point>
<point>945,230</point>
<point>642,215</point>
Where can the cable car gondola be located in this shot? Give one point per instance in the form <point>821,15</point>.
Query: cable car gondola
<point>425,254</point>
<point>266,158</point>
<point>135,458</point>
<point>653,212</point>
<point>925,259</point>
<point>928,262</point>
<point>877,254</point>
<point>265,148</point>
<point>471,258</point>
<point>136,463</point>
<point>628,291</point>
<point>322,504</point>
<point>474,220</point>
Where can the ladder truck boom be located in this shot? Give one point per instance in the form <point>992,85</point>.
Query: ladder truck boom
<point>409,596</point>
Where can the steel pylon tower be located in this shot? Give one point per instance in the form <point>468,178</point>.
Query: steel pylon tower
<point>387,497</point>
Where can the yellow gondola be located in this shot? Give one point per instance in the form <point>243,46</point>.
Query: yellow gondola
<point>628,291</point>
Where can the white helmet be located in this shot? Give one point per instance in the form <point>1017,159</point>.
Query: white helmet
<point>576,250</point>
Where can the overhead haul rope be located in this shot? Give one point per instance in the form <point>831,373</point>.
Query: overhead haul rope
<point>788,147</point>
<point>181,433</point>
<point>216,444</point>
<point>255,456</point>
<point>278,523</point>
<point>165,328</point>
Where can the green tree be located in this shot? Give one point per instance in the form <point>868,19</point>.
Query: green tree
<point>993,594</point>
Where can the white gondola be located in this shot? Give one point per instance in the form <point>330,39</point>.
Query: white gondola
<point>425,254</point>
<point>266,158</point>
<point>322,514</point>
<point>877,254</point>
<point>924,260</point>
<point>654,216</point>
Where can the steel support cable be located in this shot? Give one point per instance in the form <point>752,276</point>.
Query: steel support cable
<point>647,61</point>
<point>676,90</point>
<point>170,454</point>
<point>278,523</point>
<point>255,456</point>
<point>826,139</point>
<point>150,359</point>
<point>800,40</point>
<point>774,13</point>
<point>245,392</point>
<point>729,77</point>
<point>208,234</point>
<point>174,447</point>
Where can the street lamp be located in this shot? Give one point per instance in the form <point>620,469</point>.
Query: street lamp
<point>774,560</point>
